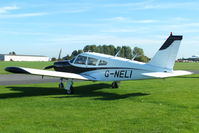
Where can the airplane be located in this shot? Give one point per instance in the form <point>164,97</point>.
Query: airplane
<point>90,66</point>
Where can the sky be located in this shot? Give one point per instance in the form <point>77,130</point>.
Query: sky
<point>43,27</point>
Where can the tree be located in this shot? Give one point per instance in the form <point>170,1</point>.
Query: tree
<point>138,53</point>
<point>127,52</point>
<point>124,51</point>
<point>12,53</point>
<point>74,53</point>
<point>90,48</point>
<point>53,59</point>
<point>67,57</point>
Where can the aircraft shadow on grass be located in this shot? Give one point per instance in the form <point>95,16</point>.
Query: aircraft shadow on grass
<point>186,77</point>
<point>81,91</point>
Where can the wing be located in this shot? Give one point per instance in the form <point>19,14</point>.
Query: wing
<point>167,74</point>
<point>31,71</point>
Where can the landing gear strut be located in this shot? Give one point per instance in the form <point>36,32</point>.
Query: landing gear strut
<point>115,84</point>
<point>69,88</point>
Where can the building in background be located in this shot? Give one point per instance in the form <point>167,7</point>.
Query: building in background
<point>8,57</point>
<point>193,58</point>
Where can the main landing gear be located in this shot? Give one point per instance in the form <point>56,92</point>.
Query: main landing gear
<point>69,88</point>
<point>115,84</point>
<point>61,85</point>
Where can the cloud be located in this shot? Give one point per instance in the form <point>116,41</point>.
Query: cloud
<point>5,9</point>
<point>23,15</point>
<point>150,45</point>
<point>5,12</point>
<point>167,5</point>
<point>127,30</point>
<point>98,39</point>
<point>151,4</point>
<point>128,20</point>
<point>188,27</point>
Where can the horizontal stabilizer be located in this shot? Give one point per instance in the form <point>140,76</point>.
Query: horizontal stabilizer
<point>167,74</point>
<point>31,71</point>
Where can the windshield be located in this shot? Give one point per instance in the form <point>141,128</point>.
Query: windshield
<point>81,60</point>
<point>72,60</point>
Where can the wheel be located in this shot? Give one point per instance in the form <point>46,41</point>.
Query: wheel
<point>115,85</point>
<point>61,85</point>
<point>70,91</point>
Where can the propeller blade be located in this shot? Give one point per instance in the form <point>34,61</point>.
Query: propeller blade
<point>59,57</point>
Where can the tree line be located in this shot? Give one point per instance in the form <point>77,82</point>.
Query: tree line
<point>125,51</point>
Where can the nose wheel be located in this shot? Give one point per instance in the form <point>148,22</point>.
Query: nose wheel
<point>69,87</point>
<point>70,91</point>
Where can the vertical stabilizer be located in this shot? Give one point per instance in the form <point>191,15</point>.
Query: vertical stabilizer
<point>166,55</point>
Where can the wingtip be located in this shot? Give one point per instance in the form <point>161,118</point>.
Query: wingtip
<point>16,70</point>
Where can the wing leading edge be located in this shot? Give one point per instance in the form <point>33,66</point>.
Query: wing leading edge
<point>31,71</point>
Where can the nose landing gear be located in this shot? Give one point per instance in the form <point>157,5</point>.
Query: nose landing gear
<point>69,88</point>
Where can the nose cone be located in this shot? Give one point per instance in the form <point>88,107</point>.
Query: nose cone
<point>58,64</point>
<point>61,63</point>
<point>62,66</point>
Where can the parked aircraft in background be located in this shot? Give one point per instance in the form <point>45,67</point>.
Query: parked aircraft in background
<point>100,67</point>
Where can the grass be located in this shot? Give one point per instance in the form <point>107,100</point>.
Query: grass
<point>159,105</point>
<point>39,65</point>
<point>186,66</point>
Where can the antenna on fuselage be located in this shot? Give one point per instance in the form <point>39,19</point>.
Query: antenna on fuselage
<point>134,57</point>
<point>117,53</point>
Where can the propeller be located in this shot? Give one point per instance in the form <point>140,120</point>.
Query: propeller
<point>59,57</point>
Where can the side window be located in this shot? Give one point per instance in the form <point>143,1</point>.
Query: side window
<point>81,60</point>
<point>92,61</point>
<point>102,62</point>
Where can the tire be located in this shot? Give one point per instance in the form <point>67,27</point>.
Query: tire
<point>115,85</point>
<point>71,91</point>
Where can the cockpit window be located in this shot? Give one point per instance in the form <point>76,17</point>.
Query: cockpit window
<point>71,61</point>
<point>92,61</point>
<point>81,60</point>
<point>102,62</point>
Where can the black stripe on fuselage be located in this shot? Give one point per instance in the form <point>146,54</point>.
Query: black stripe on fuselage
<point>77,70</point>
<point>169,41</point>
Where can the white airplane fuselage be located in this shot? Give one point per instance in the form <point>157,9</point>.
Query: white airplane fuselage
<point>116,69</point>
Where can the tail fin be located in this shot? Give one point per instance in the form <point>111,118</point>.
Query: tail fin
<point>166,56</point>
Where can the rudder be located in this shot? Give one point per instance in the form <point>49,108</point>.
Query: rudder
<point>166,55</point>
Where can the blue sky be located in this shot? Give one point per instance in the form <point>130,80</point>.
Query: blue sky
<point>43,27</point>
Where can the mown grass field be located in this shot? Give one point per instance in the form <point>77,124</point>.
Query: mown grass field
<point>143,106</point>
<point>41,65</point>
<point>186,66</point>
